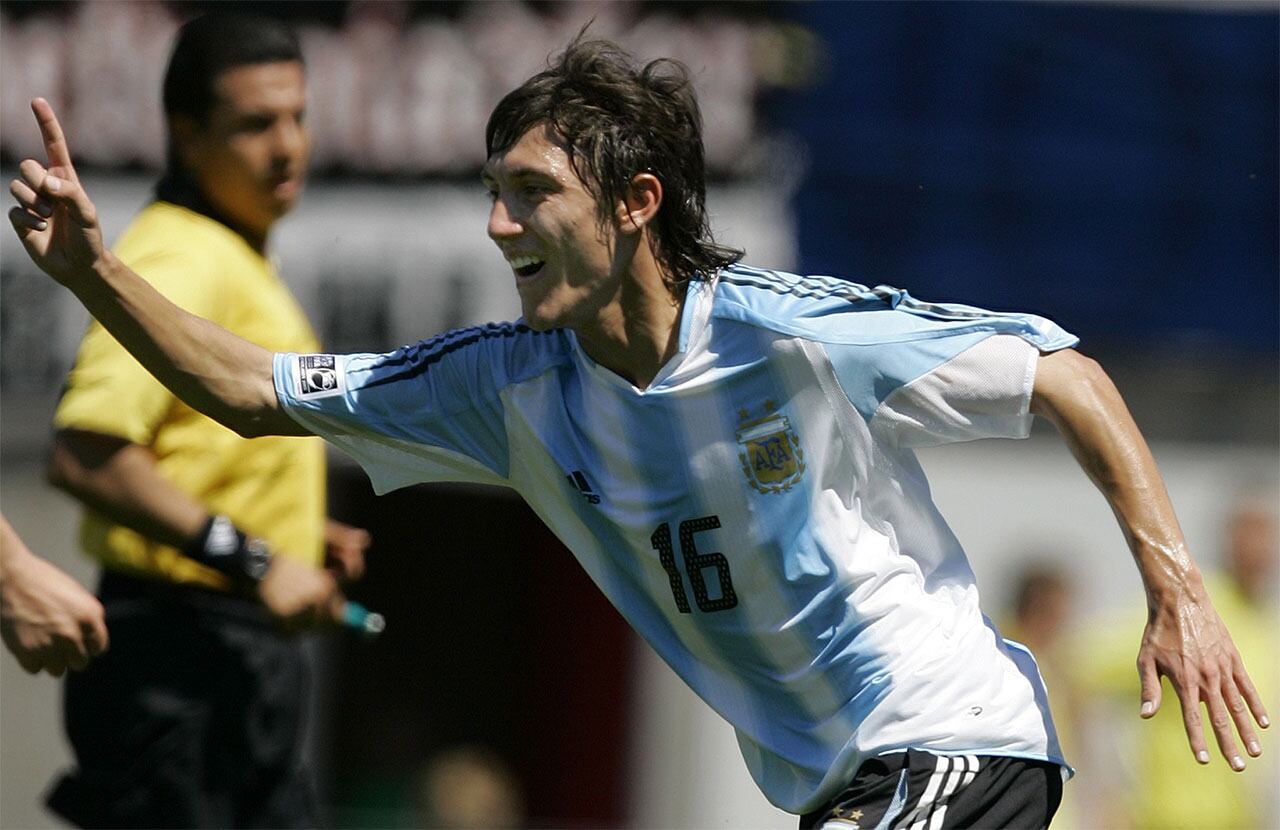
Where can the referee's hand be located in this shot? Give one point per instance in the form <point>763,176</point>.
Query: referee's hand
<point>300,596</point>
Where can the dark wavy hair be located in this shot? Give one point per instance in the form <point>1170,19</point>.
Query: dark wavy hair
<point>619,119</point>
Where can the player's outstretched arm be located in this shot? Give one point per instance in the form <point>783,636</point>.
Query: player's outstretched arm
<point>223,376</point>
<point>1185,639</point>
<point>47,619</point>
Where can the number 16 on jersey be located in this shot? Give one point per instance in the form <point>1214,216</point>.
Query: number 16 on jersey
<point>695,563</point>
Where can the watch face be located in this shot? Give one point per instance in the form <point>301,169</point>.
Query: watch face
<point>257,559</point>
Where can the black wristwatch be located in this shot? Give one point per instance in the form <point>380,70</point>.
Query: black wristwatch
<point>230,551</point>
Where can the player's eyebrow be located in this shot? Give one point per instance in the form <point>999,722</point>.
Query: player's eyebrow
<point>488,177</point>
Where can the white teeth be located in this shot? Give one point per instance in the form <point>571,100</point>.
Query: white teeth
<point>523,262</point>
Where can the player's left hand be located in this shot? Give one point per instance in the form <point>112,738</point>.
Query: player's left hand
<point>344,549</point>
<point>1186,641</point>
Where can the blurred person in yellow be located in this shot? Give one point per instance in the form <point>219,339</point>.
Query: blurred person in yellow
<point>1163,788</point>
<point>1040,617</point>
<point>211,544</point>
<point>48,621</point>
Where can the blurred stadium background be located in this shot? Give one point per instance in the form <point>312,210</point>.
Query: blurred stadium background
<point>1110,164</point>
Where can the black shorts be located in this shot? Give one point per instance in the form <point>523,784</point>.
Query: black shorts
<point>916,790</point>
<point>193,718</point>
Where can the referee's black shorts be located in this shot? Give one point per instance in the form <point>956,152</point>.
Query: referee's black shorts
<point>916,790</point>
<point>193,718</point>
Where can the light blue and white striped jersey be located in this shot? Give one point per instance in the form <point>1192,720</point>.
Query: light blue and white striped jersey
<point>757,513</point>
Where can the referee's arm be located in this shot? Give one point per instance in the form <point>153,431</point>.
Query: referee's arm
<point>1185,639</point>
<point>212,370</point>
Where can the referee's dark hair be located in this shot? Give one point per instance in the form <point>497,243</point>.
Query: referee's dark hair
<point>211,44</point>
<point>619,119</point>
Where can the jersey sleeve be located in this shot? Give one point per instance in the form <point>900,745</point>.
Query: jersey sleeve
<point>923,373</point>
<point>107,390</point>
<point>433,411</point>
<point>983,392</point>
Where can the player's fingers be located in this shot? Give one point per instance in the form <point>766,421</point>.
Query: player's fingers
<point>69,193</point>
<point>1189,696</point>
<point>1239,710</point>
<point>1151,691</point>
<point>1220,722</point>
<point>1245,684</point>
<point>59,191</point>
<point>25,223</point>
<point>55,143</point>
<point>29,199</point>
<point>33,174</point>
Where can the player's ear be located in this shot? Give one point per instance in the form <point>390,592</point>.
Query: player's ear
<point>640,203</point>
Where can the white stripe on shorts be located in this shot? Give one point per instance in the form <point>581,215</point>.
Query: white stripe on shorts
<point>960,772</point>
<point>940,770</point>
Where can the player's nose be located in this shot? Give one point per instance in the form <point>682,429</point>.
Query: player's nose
<point>502,225</point>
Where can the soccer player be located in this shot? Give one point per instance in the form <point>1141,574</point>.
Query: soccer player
<point>47,619</point>
<point>727,450</point>
<point>207,540</point>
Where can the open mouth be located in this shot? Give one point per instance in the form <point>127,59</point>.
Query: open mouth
<point>526,266</point>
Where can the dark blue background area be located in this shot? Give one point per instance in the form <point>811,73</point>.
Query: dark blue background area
<point>1114,167</point>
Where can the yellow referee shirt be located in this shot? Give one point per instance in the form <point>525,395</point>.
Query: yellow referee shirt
<point>270,487</point>
<point>1169,790</point>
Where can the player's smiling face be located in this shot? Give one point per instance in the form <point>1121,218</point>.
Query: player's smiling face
<point>545,221</point>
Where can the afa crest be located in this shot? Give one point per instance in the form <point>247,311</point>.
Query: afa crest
<point>769,449</point>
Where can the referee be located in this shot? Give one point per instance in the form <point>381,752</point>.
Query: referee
<point>195,716</point>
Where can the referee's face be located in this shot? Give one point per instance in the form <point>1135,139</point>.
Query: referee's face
<point>250,154</point>
<point>544,219</point>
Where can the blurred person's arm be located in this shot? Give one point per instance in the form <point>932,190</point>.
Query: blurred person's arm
<point>221,375</point>
<point>120,480</point>
<point>1185,639</point>
<point>47,619</point>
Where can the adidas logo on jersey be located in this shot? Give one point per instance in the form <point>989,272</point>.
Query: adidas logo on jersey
<point>579,482</point>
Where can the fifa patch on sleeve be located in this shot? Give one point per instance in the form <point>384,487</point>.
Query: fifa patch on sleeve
<point>318,376</point>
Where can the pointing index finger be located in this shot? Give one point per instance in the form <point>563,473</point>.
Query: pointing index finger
<point>55,143</point>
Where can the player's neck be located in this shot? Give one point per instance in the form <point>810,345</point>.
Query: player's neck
<point>638,331</point>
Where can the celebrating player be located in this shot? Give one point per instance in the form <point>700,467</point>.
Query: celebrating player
<point>760,516</point>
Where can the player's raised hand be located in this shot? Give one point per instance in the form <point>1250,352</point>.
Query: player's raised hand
<point>54,218</point>
<point>1187,642</point>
